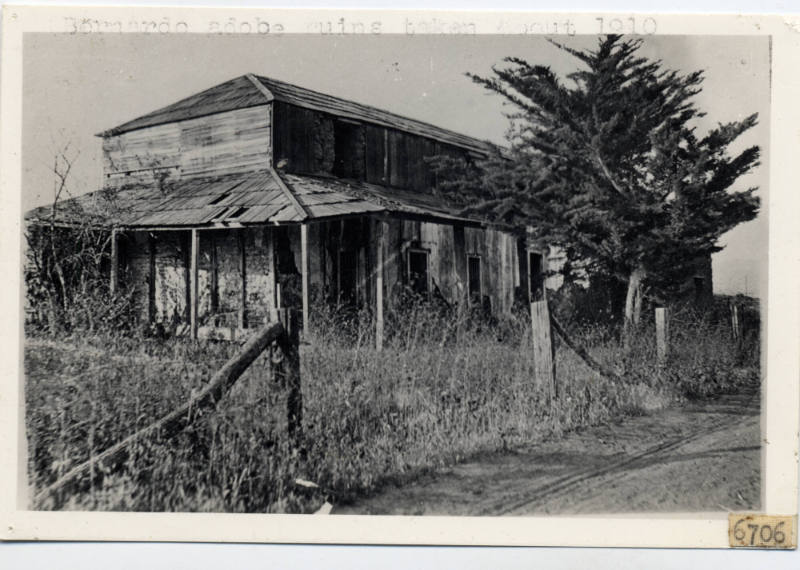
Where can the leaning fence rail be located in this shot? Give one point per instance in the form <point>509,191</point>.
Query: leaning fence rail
<point>172,423</point>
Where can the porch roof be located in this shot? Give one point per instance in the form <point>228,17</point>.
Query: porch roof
<point>255,198</point>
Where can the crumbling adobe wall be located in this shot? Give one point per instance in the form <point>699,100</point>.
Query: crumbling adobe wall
<point>172,272</point>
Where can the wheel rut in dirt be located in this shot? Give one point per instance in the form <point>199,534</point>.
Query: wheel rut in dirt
<point>704,456</point>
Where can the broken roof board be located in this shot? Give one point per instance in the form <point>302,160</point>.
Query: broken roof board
<point>207,201</point>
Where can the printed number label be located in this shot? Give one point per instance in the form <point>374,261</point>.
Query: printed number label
<point>761,531</point>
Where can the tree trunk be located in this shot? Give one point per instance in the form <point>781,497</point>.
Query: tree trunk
<point>633,306</point>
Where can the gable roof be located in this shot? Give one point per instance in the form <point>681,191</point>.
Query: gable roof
<point>251,90</point>
<point>253,198</point>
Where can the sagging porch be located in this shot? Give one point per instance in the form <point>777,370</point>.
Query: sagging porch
<point>220,282</point>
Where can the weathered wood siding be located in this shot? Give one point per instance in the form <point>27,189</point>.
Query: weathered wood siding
<point>222,143</point>
<point>312,142</point>
<point>497,250</point>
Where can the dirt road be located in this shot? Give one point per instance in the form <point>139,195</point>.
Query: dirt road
<point>704,456</point>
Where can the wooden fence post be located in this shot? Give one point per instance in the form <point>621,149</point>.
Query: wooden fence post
<point>736,325</point>
<point>662,335</point>
<point>114,261</point>
<point>287,371</point>
<point>543,361</point>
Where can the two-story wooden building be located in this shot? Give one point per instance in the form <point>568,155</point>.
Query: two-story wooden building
<point>256,194</point>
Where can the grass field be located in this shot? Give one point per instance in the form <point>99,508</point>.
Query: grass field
<point>440,391</point>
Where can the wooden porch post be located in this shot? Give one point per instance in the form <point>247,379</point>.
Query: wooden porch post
<point>380,244</point>
<point>460,254</point>
<point>193,285</point>
<point>243,277</point>
<point>114,262</point>
<point>214,277</point>
<point>272,281</point>
<point>151,279</point>
<point>304,272</point>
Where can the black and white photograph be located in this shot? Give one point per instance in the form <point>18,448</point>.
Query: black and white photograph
<point>342,272</point>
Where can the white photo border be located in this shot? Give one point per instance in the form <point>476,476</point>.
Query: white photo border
<point>780,411</point>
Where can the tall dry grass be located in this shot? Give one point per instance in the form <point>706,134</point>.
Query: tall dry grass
<point>448,384</point>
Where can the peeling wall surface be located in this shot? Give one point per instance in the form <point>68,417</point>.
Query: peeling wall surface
<point>219,292</point>
<point>342,268</point>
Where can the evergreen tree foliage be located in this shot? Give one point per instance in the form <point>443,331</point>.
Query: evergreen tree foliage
<point>607,165</point>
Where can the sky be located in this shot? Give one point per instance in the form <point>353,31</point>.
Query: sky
<point>75,86</point>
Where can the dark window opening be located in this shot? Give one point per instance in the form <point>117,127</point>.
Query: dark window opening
<point>219,198</point>
<point>535,276</point>
<point>349,150</point>
<point>418,271</point>
<point>474,277</point>
<point>284,258</point>
<point>348,277</point>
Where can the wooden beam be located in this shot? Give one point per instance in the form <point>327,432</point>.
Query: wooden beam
<point>303,213</point>
<point>207,398</point>
<point>260,86</point>
<point>460,255</point>
<point>186,238</point>
<point>272,282</point>
<point>543,362</point>
<point>151,278</point>
<point>193,287</point>
<point>114,262</point>
<point>382,230</point>
<point>304,272</point>
<point>386,156</point>
<point>662,335</point>
<point>214,275</point>
<point>243,278</point>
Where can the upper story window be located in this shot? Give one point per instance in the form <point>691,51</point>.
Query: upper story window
<point>349,150</point>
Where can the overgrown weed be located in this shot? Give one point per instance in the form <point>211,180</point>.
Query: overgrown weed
<point>448,384</point>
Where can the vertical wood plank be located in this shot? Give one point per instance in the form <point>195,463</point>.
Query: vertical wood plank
<point>543,362</point>
<point>186,238</point>
<point>214,275</point>
<point>194,257</point>
<point>272,282</point>
<point>735,326</point>
<point>242,314</point>
<point>381,229</point>
<point>151,278</point>
<point>522,263</point>
<point>114,262</point>
<point>386,156</point>
<point>662,335</point>
<point>460,265</point>
<point>304,272</point>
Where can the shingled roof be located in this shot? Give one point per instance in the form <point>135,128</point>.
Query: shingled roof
<point>254,198</point>
<point>252,90</point>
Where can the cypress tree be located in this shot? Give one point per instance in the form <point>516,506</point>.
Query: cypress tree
<point>608,167</point>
